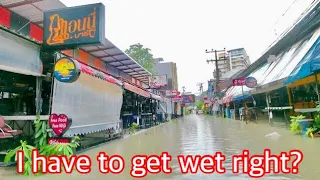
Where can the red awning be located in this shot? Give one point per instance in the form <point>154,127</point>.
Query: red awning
<point>99,74</point>
<point>136,90</point>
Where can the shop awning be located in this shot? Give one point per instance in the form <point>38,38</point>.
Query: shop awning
<point>136,90</point>
<point>156,97</point>
<point>19,56</point>
<point>228,95</point>
<point>33,10</point>
<point>88,70</point>
<point>308,65</point>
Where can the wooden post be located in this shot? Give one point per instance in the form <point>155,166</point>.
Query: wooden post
<point>290,98</point>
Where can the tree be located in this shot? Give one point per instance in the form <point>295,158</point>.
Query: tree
<point>199,105</point>
<point>142,55</point>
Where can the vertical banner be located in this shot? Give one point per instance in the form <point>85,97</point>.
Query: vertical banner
<point>210,88</point>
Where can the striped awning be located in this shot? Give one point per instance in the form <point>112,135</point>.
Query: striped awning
<point>99,74</point>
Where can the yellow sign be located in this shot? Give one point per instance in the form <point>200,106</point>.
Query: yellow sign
<point>66,70</point>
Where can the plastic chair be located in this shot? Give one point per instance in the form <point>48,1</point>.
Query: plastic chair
<point>5,128</point>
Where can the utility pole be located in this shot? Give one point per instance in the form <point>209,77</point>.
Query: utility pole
<point>216,59</point>
<point>217,68</point>
<point>183,89</point>
<point>200,87</point>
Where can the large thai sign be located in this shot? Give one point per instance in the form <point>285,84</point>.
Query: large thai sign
<point>239,82</point>
<point>158,81</point>
<point>70,27</point>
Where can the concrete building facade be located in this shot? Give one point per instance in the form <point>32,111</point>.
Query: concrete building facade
<point>169,69</point>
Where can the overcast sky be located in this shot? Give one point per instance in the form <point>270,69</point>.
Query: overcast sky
<point>181,30</point>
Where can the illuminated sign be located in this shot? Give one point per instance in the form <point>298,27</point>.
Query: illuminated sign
<point>74,26</point>
<point>66,70</point>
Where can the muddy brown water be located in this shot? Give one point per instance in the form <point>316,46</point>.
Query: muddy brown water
<point>197,134</point>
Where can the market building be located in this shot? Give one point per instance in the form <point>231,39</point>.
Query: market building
<point>282,73</point>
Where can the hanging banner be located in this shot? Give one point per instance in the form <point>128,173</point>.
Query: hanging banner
<point>74,26</point>
<point>158,81</point>
<point>239,82</point>
<point>210,87</point>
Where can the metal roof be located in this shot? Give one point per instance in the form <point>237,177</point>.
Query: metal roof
<point>33,11</point>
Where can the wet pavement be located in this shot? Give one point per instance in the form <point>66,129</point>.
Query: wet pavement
<point>199,134</point>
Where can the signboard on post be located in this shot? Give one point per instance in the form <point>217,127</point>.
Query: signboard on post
<point>239,82</point>
<point>66,70</point>
<point>158,81</point>
<point>251,82</point>
<point>188,98</point>
<point>71,27</point>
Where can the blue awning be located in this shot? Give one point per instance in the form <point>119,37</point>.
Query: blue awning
<point>241,97</point>
<point>308,65</point>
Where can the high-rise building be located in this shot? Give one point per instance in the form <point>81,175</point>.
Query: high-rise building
<point>234,59</point>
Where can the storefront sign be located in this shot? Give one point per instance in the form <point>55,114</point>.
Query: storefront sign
<point>170,93</point>
<point>251,82</point>
<point>66,70</point>
<point>188,98</point>
<point>74,26</point>
<point>59,123</point>
<point>177,99</point>
<point>59,140</point>
<point>239,82</point>
<point>158,81</point>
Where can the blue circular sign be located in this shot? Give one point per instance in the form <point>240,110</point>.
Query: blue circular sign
<point>251,82</point>
<point>66,70</point>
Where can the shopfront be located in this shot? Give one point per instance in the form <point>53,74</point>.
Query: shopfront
<point>20,77</point>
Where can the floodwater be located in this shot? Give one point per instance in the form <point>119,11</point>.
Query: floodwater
<point>197,134</point>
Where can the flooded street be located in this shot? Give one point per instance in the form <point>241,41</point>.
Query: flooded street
<point>196,134</point>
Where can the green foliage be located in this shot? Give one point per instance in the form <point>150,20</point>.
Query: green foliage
<point>309,132</point>
<point>133,128</point>
<point>41,137</point>
<point>142,55</point>
<point>294,126</point>
<point>41,132</point>
<point>199,105</point>
<point>27,149</point>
